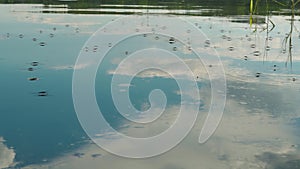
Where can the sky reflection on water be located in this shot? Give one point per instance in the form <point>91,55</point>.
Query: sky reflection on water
<point>261,118</point>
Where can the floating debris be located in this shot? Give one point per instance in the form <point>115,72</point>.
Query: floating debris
<point>42,93</point>
<point>172,40</point>
<point>67,25</point>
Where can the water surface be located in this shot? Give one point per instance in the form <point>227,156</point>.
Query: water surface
<point>38,125</point>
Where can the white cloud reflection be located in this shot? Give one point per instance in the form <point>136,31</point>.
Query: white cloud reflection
<point>244,133</point>
<point>74,67</point>
<point>194,64</point>
<point>7,155</point>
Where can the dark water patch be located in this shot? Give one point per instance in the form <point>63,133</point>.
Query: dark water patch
<point>279,161</point>
<point>263,97</point>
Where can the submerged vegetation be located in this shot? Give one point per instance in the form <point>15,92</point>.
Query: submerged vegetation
<point>291,7</point>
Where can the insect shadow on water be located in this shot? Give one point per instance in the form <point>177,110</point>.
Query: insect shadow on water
<point>172,40</point>
<point>79,155</point>
<point>231,48</point>
<point>30,69</point>
<point>42,93</point>
<point>42,44</point>
<point>256,53</point>
<point>207,43</point>
<point>257,74</point>
<point>96,155</point>
<point>33,79</point>
<point>34,63</point>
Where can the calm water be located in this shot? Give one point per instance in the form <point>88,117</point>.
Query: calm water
<point>39,127</point>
